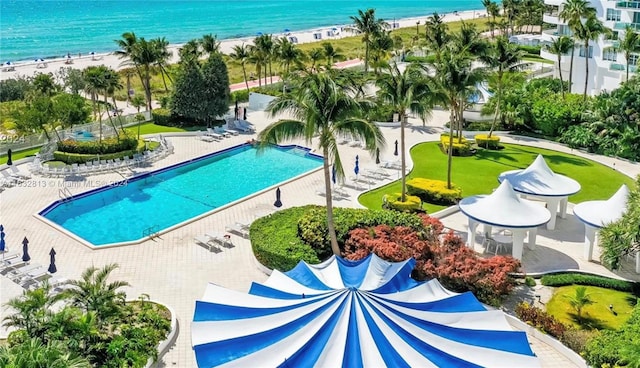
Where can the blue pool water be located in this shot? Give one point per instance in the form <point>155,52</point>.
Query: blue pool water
<point>173,195</point>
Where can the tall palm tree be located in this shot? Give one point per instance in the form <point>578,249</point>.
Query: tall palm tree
<point>93,293</point>
<point>162,56</point>
<point>369,26</point>
<point>493,10</point>
<point>436,33</point>
<point>94,84</point>
<point>288,54</point>
<point>573,12</point>
<point>407,91</point>
<point>321,107</point>
<point>630,44</point>
<point>111,84</point>
<point>190,51</point>
<point>258,58</point>
<point>381,51</point>
<point>560,46</point>
<point>315,56</point>
<point>470,39</point>
<point>210,44</point>
<point>141,54</point>
<point>588,31</point>
<point>331,53</point>
<point>240,54</point>
<point>502,56</point>
<point>264,43</point>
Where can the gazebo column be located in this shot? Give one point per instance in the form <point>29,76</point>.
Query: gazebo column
<point>589,241</point>
<point>563,206</point>
<point>637,262</point>
<point>518,243</point>
<point>552,206</point>
<point>533,232</point>
<point>486,229</point>
<point>471,234</point>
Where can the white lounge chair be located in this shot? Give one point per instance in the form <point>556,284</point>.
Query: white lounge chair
<point>205,138</point>
<point>211,133</point>
<point>238,229</point>
<point>10,178</point>
<point>206,242</point>
<point>396,165</point>
<point>374,174</point>
<point>222,239</point>
<point>244,126</point>
<point>230,131</point>
<point>220,130</point>
<point>17,173</point>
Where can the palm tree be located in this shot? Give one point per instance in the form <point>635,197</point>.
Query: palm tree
<point>210,44</point>
<point>321,107</point>
<point>470,39</point>
<point>162,55</point>
<point>502,56</point>
<point>45,84</point>
<point>31,311</point>
<point>240,54</point>
<point>331,54</point>
<point>436,33</point>
<point>94,84</point>
<point>259,59</point>
<point>493,10</point>
<point>589,31</point>
<point>315,55</point>
<point>406,91</point>
<point>190,51</point>
<point>367,25</point>
<point>94,294</point>
<point>572,12</point>
<point>580,300</point>
<point>629,44</point>
<point>560,46</point>
<point>380,53</point>
<point>34,353</point>
<point>288,54</point>
<point>111,84</point>
<point>264,43</point>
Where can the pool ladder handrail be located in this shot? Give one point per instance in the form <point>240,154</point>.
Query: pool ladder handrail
<point>151,231</point>
<point>65,194</point>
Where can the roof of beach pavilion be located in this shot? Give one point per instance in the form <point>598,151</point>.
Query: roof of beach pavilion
<point>600,213</point>
<point>366,313</point>
<point>539,179</point>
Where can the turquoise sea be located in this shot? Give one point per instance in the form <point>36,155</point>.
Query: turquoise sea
<point>32,29</point>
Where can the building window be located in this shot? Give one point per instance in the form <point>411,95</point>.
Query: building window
<point>590,51</point>
<point>612,36</point>
<point>633,59</point>
<point>610,55</point>
<point>613,14</point>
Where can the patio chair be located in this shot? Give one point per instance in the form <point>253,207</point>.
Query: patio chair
<point>220,130</point>
<point>205,138</point>
<point>395,165</point>
<point>237,228</point>
<point>229,130</point>
<point>10,178</point>
<point>206,242</point>
<point>17,173</point>
<point>222,239</point>
<point>211,133</point>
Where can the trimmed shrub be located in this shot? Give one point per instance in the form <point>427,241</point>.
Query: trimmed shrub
<point>541,320</point>
<point>275,240</point>
<point>616,348</point>
<point>162,117</point>
<point>483,140</point>
<point>461,147</point>
<point>393,202</point>
<point>241,95</point>
<point>108,145</point>
<point>565,279</point>
<point>529,281</point>
<point>434,191</point>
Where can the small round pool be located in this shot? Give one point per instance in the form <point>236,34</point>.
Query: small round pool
<point>83,136</point>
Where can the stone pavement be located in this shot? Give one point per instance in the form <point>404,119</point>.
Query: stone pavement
<point>174,270</point>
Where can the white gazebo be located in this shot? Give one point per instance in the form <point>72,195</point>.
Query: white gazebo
<point>538,181</point>
<point>596,214</point>
<point>505,209</point>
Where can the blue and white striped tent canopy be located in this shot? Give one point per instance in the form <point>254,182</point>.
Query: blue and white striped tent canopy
<point>340,313</point>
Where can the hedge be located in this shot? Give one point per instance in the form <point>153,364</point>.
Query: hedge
<point>565,279</point>
<point>162,117</point>
<point>79,158</point>
<point>483,140</point>
<point>393,202</point>
<point>618,348</point>
<point>107,145</point>
<point>241,95</point>
<point>434,191</point>
<point>461,147</point>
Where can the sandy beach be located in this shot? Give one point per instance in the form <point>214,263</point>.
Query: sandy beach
<point>109,59</point>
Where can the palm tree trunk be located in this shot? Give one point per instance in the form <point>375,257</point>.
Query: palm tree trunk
<point>366,56</point>
<point>244,73</point>
<point>586,69</point>
<point>147,87</point>
<point>403,160</point>
<point>128,87</point>
<point>560,75</point>
<point>270,73</point>
<point>450,150</point>
<point>327,187</point>
<point>627,78</point>
<point>495,117</point>
<point>109,116</point>
<point>573,51</point>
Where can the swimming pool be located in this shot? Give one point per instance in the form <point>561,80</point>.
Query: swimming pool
<point>172,196</point>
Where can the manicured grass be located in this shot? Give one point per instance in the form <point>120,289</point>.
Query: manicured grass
<point>151,128</point>
<point>596,315</point>
<point>537,60</point>
<point>20,154</point>
<point>478,174</point>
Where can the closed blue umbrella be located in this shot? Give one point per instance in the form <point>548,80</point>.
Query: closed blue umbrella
<point>2,243</point>
<point>25,250</point>
<point>334,177</point>
<point>356,169</point>
<point>52,263</point>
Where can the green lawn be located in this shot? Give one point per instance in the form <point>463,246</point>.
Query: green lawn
<point>596,315</point>
<point>478,174</point>
<point>20,154</point>
<point>151,128</point>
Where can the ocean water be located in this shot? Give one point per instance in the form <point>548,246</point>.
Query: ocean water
<point>32,29</point>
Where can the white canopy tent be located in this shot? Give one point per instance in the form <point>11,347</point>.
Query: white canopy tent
<point>505,209</point>
<point>540,182</point>
<point>596,214</point>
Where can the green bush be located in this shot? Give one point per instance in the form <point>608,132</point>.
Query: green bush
<point>530,281</point>
<point>461,147</point>
<point>275,241</point>
<point>108,145</point>
<point>541,320</point>
<point>241,95</point>
<point>531,50</point>
<point>434,191</point>
<point>162,117</point>
<point>382,112</point>
<point>565,279</point>
<point>393,202</point>
<point>483,140</point>
<point>616,348</point>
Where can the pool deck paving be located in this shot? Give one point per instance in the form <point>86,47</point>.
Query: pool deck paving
<point>174,270</point>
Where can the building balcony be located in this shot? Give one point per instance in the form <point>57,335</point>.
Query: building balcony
<point>628,5</point>
<point>552,19</point>
<point>545,54</point>
<point>554,2</point>
<point>611,43</point>
<point>623,67</point>
<point>623,25</point>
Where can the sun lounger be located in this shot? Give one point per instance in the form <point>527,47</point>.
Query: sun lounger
<point>396,165</point>
<point>10,178</point>
<point>213,134</point>
<point>205,138</point>
<point>230,131</point>
<point>206,242</point>
<point>375,174</point>
<point>244,126</point>
<point>17,273</point>
<point>222,239</point>
<point>238,229</point>
<point>222,132</point>
<point>17,173</point>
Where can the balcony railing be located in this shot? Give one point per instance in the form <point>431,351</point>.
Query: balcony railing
<point>612,43</point>
<point>622,26</point>
<point>628,4</point>
<point>623,67</point>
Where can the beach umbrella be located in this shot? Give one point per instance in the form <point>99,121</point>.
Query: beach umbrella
<point>2,243</point>
<point>356,169</point>
<point>258,33</point>
<point>278,202</point>
<point>52,263</point>
<point>8,63</point>
<point>25,250</point>
<point>377,156</point>
<point>334,174</point>
<point>9,161</point>
<point>395,153</point>
<point>287,30</point>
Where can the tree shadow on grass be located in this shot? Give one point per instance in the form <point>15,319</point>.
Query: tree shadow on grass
<point>632,300</point>
<point>589,323</point>
<point>569,160</point>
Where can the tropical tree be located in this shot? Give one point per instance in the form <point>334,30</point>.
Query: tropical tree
<point>93,293</point>
<point>331,54</point>
<point>288,54</point>
<point>369,26</point>
<point>33,353</point>
<point>44,84</point>
<point>588,31</point>
<point>381,51</point>
<point>142,54</point>
<point>70,109</point>
<point>573,11</point>
<point>560,46</point>
<point>629,44</point>
<point>315,56</point>
<point>320,107</point>
<point>190,51</point>
<point>502,56</point>
<point>469,39</point>
<point>580,300</point>
<point>493,11</point>
<point>260,59</point>
<point>161,59</point>
<point>266,47</point>
<point>210,44</point>
<point>407,91</point>
<point>240,54</point>
<point>94,84</point>
<point>436,33</point>
<point>31,312</point>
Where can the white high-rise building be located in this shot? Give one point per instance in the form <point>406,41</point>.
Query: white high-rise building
<point>607,66</point>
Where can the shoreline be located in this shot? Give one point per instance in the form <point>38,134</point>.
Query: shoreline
<point>327,33</point>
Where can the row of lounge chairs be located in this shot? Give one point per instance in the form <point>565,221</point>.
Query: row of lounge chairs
<point>12,176</point>
<point>216,134</point>
<point>28,275</point>
<point>213,240</point>
<point>240,125</point>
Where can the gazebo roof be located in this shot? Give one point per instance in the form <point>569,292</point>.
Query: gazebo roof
<point>600,213</point>
<point>340,313</point>
<point>539,179</point>
<point>504,208</point>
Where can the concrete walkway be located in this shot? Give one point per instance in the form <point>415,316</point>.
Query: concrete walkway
<point>174,270</point>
